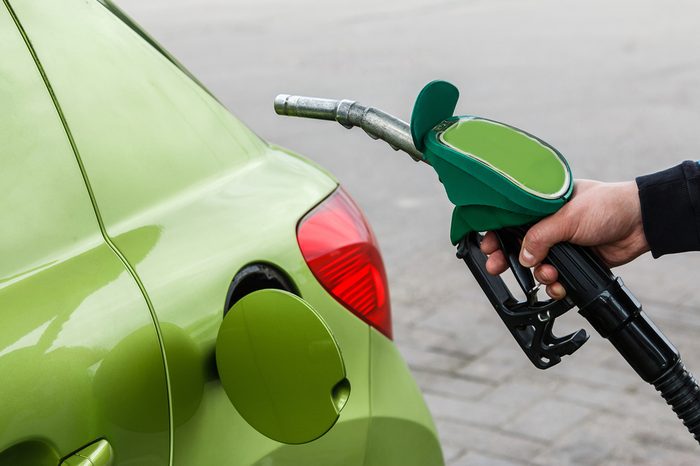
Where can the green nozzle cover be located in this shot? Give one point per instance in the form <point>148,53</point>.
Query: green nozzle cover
<point>435,103</point>
<point>496,175</point>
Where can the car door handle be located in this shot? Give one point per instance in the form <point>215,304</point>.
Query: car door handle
<point>98,453</point>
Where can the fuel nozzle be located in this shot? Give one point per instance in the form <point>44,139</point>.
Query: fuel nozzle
<point>496,175</point>
<point>503,179</point>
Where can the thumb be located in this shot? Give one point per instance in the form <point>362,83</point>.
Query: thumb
<point>543,235</point>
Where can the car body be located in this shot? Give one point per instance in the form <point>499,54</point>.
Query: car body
<point>133,201</point>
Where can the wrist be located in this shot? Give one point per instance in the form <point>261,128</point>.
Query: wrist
<point>631,193</point>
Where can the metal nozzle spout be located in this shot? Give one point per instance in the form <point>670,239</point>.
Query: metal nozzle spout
<point>306,107</point>
<point>376,123</point>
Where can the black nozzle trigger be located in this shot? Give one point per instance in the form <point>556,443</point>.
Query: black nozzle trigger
<point>530,321</point>
<point>510,245</point>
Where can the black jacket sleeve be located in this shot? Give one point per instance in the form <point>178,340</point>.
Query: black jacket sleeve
<point>670,202</point>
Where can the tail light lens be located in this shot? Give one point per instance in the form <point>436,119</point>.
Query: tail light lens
<point>341,251</point>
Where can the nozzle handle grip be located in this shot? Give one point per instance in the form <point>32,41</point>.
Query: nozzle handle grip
<point>617,315</point>
<point>614,312</point>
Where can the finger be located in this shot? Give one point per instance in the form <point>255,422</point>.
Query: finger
<point>496,263</point>
<point>490,244</point>
<point>556,291</point>
<point>546,274</point>
<point>545,234</point>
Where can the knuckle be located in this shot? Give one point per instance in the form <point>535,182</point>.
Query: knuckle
<point>535,237</point>
<point>541,275</point>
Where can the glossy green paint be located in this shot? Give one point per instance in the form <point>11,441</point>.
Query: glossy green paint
<point>281,367</point>
<point>74,460</point>
<point>74,324</point>
<point>189,196</point>
<point>99,453</point>
<point>401,429</point>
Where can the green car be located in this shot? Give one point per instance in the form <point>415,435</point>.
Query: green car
<point>173,289</point>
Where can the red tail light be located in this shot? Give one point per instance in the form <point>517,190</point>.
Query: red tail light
<point>341,251</point>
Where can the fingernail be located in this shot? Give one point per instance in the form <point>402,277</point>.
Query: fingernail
<point>526,258</point>
<point>558,291</point>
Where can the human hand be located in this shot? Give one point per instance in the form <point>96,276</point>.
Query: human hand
<point>605,216</point>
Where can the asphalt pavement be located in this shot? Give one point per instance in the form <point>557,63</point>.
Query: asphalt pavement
<point>612,84</point>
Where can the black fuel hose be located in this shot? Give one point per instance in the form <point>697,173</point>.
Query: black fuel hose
<point>617,315</point>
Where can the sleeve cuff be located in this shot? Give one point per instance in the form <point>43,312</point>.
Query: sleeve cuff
<point>670,202</point>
